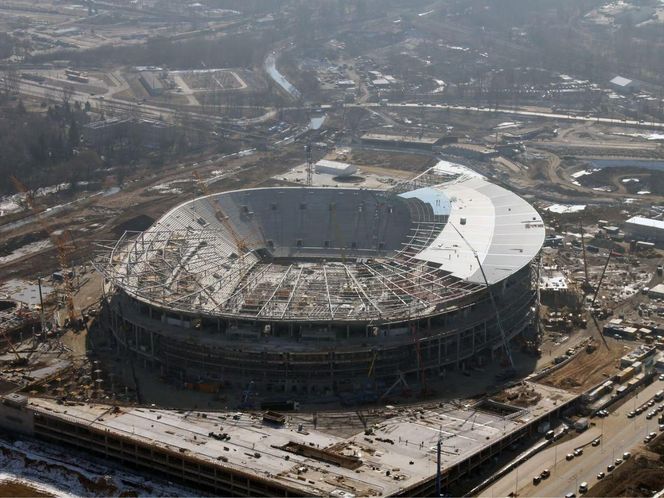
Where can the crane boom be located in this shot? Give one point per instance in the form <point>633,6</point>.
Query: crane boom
<point>240,243</point>
<point>503,336</point>
<point>586,283</point>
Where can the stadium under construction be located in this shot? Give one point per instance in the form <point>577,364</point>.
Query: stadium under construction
<point>312,291</point>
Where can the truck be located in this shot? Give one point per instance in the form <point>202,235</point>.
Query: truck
<point>582,424</point>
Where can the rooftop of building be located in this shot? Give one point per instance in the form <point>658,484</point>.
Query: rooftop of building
<point>399,453</point>
<point>646,222</point>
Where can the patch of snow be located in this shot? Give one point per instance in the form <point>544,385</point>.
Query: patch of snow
<point>566,208</point>
<point>452,169</point>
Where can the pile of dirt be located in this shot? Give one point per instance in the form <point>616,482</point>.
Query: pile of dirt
<point>569,383</point>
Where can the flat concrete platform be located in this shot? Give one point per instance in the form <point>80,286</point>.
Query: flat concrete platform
<point>395,456</point>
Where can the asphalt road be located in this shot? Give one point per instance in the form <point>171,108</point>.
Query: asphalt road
<point>618,434</point>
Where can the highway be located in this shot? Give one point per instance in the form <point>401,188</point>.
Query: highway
<point>618,434</point>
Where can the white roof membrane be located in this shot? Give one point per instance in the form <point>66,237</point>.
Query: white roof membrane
<point>499,226</point>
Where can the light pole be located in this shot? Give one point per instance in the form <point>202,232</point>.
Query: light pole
<point>516,482</point>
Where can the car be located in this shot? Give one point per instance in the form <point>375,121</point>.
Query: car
<point>536,480</point>
<point>596,442</point>
<point>660,408</point>
<point>569,456</point>
<point>661,427</point>
<point>546,473</point>
<point>647,439</point>
<point>570,495</point>
<point>627,455</point>
<point>583,487</point>
<point>661,377</point>
<point>631,414</point>
<point>618,461</point>
<point>610,467</point>
<point>651,403</point>
<point>600,476</point>
<point>649,415</point>
<point>578,452</point>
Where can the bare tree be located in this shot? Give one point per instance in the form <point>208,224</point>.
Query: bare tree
<point>66,94</point>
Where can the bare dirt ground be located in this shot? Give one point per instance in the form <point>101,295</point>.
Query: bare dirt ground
<point>587,369</point>
<point>391,160</point>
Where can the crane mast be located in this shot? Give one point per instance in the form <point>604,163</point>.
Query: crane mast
<point>61,244</point>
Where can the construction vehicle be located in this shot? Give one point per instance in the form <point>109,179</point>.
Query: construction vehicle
<point>63,246</point>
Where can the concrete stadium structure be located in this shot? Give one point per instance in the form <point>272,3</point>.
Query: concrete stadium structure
<point>326,290</point>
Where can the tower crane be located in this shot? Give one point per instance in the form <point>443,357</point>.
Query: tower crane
<point>62,244</point>
<point>587,288</point>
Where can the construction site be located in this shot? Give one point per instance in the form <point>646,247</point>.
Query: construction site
<point>439,347</point>
<point>391,258</point>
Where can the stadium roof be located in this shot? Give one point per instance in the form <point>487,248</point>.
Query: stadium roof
<point>499,226</point>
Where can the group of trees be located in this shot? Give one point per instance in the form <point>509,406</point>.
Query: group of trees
<point>242,50</point>
<point>42,148</point>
